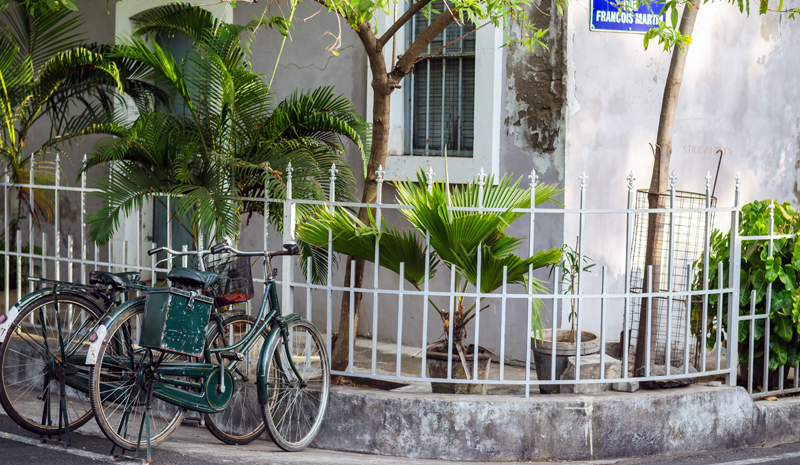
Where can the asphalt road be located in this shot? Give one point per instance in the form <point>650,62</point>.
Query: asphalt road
<point>194,446</point>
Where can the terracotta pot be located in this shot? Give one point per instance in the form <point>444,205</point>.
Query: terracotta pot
<point>543,349</point>
<point>437,368</point>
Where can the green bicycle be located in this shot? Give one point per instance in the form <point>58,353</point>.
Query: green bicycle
<point>44,383</point>
<point>138,397</point>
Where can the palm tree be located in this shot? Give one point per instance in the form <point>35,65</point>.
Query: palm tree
<point>222,139</point>
<point>44,72</point>
<point>457,238</point>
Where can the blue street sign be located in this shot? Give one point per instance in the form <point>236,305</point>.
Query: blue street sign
<point>608,15</point>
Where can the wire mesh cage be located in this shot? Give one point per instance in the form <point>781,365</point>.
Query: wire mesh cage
<point>235,279</point>
<point>688,242</point>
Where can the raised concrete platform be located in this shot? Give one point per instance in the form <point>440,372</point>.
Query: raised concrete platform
<point>553,427</point>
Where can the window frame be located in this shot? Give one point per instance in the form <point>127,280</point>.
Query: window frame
<point>487,105</point>
<point>409,84</point>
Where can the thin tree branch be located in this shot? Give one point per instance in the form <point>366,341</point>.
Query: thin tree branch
<point>414,9</point>
<point>425,38</point>
<point>451,43</point>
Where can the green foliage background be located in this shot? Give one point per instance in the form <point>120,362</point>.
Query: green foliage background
<point>759,269</point>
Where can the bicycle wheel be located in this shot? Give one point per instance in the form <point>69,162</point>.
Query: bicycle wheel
<point>31,366</point>
<point>295,407</point>
<point>119,399</point>
<point>241,422</point>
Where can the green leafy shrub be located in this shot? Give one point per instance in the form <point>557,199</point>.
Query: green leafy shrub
<point>758,269</point>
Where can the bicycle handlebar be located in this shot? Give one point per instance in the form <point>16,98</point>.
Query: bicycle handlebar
<point>292,249</point>
<point>176,253</point>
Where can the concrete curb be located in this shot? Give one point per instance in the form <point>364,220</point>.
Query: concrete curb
<point>542,427</point>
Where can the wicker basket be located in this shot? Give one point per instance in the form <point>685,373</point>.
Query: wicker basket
<point>235,280</point>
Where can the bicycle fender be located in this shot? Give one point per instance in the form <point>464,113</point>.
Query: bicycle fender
<point>261,380</point>
<point>11,315</point>
<point>14,311</point>
<point>98,336</point>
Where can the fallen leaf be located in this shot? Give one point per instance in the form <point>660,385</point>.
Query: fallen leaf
<point>771,398</point>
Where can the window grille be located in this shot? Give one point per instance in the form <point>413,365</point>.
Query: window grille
<point>440,92</point>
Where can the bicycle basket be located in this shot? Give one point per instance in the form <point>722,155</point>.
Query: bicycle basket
<point>235,279</point>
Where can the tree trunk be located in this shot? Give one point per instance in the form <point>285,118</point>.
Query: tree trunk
<point>382,90</point>
<point>659,184</point>
<point>383,84</point>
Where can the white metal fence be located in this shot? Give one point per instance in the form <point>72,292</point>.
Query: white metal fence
<point>401,318</point>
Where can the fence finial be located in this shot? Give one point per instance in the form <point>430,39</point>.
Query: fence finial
<point>333,171</point>
<point>289,169</point>
<point>708,180</point>
<point>481,178</point>
<point>738,179</point>
<point>672,178</point>
<point>533,177</point>
<point>379,173</point>
<point>430,175</point>
<point>630,179</point>
<point>583,178</point>
<point>771,210</point>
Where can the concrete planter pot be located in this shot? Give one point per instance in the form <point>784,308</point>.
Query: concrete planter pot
<point>437,368</point>
<point>543,349</point>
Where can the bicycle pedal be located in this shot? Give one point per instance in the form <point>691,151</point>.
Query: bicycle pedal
<point>191,422</point>
<point>231,355</point>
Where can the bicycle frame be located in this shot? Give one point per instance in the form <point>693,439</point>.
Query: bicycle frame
<point>214,390</point>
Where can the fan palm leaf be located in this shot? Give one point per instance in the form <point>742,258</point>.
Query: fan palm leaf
<point>474,244</point>
<point>352,237</point>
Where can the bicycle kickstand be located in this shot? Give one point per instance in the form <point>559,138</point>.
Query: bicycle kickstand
<point>63,414</point>
<point>146,421</point>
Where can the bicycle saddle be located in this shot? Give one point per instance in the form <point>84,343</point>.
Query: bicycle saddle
<point>117,280</point>
<point>190,277</point>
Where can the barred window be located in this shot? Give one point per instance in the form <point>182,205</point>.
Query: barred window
<point>441,90</point>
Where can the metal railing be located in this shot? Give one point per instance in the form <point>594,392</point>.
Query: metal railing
<point>400,316</point>
<point>505,296</point>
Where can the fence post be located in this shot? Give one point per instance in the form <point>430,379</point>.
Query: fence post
<point>426,287</point>
<point>671,281</point>
<point>626,331</point>
<point>583,178</point>
<point>57,234</point>
<point>533,178</point>
<point>375,279</point>
<point>288,235</point>
<point>32,197</point>
<point>733,282</point>
<point>329,281</point>
<point>83,279</point>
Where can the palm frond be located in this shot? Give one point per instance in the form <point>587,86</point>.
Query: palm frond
<point>42,36</point>
<point>352,237</point>
<point>122,192</point>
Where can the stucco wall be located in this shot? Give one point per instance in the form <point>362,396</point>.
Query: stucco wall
<point>739,94</point>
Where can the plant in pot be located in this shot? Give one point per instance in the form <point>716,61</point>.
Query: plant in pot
<point>758,269</point>
<point>457,240</point>
<point>566,346</point>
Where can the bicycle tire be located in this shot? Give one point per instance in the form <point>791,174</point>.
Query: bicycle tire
<point>33,336</point>
<point>241,422</point>
<point>294,411</point>
<point>121,388</point>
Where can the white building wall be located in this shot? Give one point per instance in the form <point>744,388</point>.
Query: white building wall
<point>739,95</point>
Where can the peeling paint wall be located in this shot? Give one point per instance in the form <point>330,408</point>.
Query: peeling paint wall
<point>535,96</point>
